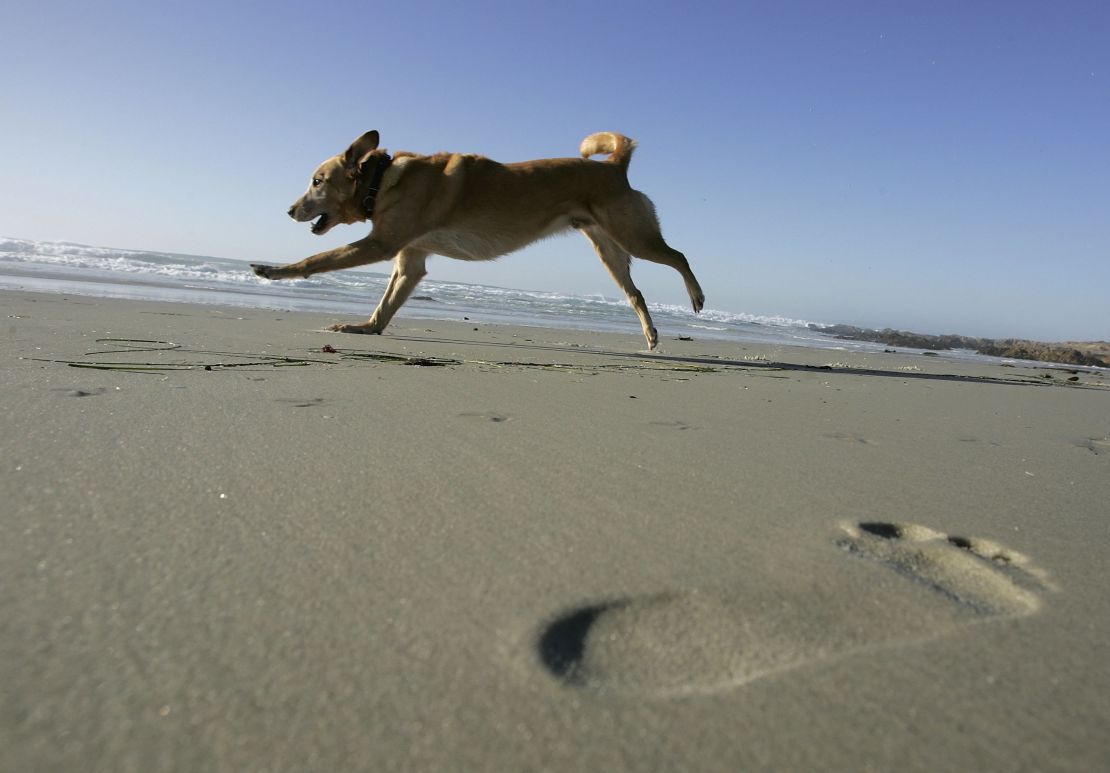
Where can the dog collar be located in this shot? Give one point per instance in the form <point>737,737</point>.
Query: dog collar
<point>381,163</point>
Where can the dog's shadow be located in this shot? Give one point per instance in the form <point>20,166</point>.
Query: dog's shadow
<point>769,365</point>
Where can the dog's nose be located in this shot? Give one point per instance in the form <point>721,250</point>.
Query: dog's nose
<point>292,209</point>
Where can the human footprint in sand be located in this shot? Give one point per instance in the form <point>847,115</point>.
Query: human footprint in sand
<point>704,641</point>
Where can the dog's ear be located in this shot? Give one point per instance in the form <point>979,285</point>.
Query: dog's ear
<point>360,149</point>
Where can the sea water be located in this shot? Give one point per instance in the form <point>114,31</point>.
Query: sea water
<point>107,272</point>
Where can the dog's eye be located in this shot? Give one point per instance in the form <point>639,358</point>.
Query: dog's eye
<point>317,182</point>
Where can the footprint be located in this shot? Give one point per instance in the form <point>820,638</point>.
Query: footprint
<point>301,402</point>
<point>1096,445</point>
<point>849,437</point>
<point>674,424</point>
<point>81,392</point>
<point>491,416</point>
<point>709,640</point>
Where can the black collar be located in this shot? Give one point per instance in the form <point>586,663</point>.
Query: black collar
<point>381,163</point>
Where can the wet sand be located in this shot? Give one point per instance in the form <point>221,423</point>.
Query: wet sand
<point>460,547</point>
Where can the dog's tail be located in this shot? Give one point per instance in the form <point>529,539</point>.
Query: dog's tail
<point>616,145</point>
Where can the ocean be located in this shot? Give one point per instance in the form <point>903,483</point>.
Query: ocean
<point>108,272</point>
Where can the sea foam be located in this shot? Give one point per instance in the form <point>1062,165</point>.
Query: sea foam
<point>127,273</point>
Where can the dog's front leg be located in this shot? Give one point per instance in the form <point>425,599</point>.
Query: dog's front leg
<point>407,273</point>
<point>360,253</point>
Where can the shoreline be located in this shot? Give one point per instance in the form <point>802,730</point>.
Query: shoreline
<point>958,347</point>
<point>482,547</point>
<point>133,274</point>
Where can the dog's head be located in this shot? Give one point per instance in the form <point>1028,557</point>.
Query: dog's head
<point>331,196</point>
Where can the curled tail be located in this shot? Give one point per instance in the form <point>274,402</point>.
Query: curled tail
<point>616,145</point>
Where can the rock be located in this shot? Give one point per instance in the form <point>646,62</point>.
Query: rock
<point>1089,353</point>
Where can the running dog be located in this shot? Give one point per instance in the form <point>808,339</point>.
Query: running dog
<point>468,207</point>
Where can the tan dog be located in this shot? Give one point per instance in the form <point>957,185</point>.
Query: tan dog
<point>471,208</point>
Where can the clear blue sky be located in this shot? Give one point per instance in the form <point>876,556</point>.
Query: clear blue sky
<point>940,166</point>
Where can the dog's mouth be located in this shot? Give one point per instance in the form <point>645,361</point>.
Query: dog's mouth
<point>321,224</point>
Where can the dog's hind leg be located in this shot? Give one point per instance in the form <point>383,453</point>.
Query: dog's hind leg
<point>618,261</point>
<point>408,270</point>
<point>633,224</point>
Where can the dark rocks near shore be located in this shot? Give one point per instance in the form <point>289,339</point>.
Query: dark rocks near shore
<point>1090,354</point>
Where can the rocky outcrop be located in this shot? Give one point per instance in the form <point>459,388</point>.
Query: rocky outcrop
<point>1093,353</point>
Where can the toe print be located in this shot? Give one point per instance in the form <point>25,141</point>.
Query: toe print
<point>978,573</point>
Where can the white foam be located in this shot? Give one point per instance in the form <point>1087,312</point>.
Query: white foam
<point>345,291</point>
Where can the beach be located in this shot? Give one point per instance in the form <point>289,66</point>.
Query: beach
<point>234,541</point>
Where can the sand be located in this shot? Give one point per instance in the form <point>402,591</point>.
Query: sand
<point>467,547</point>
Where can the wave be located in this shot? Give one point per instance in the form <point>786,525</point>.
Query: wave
<point>230,280</point>
<point>80,257</point>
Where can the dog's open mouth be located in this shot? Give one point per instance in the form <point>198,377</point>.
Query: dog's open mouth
<point>321,224</point>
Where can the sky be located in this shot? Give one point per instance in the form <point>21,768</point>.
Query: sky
<point>942,167</point>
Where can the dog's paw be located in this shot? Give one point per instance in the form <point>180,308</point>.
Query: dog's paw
<point>264,271</point>
<point>361,329</point>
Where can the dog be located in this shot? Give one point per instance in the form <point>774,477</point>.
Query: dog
<point>469,207</point>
